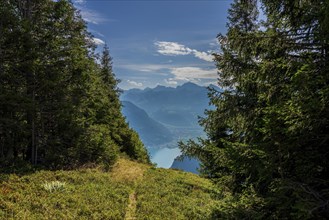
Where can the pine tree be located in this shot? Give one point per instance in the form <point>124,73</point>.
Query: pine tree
<point>59,107</point>
<point>121,133</point>
<point>267,139</point>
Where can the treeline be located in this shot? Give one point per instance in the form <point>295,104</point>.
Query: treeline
<point>268,142</point>
<point>59,102</point>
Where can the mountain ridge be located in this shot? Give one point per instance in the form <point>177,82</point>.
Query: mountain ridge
<point>150,131</point>
<point>167,104</point>
<point>167,112</point>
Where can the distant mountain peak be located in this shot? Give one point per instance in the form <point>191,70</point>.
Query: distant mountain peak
<point>190,85</point>
<point>160,87</point>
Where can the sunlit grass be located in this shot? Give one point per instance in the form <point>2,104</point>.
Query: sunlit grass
<point>172,194</point>
<point>86,194</point>
<point>95,194</point>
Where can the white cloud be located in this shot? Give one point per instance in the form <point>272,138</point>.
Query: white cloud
<point>144,67</point>
<point>175,49</point>
<point>189,73</point>
<point>92,16</point>
<point>172,48</point>
<point>171,81</point>
<point>89,15</point>
<point>98,41</point>
<point>203,55</point>
<point>133,83</point>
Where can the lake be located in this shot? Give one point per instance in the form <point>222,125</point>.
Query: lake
<point>164,157</point>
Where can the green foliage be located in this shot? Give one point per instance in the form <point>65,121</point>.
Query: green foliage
<point>267,138</point>
<point>58,106</point>
<point>97,146</point>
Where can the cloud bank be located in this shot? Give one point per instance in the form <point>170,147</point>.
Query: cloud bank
<point>174,49</point>
<point>190,73</point>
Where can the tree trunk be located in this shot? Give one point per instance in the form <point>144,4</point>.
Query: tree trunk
<point>27,8</point>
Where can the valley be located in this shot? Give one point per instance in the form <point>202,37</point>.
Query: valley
<point>163,116</point>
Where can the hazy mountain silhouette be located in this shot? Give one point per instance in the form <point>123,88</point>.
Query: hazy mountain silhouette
<point>187,164</point>
<point>179,106</point>
<point>164,115</point>
<point>150,131</point>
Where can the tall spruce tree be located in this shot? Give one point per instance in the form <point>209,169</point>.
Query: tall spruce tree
<point>267,138</point>
<point>45,55</point>
<point>58,107</point>
<point>121,133</point>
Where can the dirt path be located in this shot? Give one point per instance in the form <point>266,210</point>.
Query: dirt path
<point>128,171</point>
<point>131,208</point>
<point>132,173</point>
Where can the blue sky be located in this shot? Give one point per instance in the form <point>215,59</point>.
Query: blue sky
<point>158,42</point>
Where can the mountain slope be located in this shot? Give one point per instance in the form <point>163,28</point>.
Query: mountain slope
<point>179,106</point>
<point>150,131</point>
<point>187,164</point>
<point>130,190</point>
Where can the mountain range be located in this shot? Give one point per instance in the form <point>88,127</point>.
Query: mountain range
<point>162,116</point>
<point>151,131</point>
<point>179,107</point>
<point>165,114</point>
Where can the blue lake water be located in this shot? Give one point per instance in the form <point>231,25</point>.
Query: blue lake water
<point>164,157</point>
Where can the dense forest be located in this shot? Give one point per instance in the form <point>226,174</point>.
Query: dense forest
<point>268,137</point>
<point>59,103</point>
<point>268,140</point>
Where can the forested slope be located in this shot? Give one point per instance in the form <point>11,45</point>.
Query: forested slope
<point>59,103</point>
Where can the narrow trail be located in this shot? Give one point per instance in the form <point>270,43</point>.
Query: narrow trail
<point>131,173</point>
<point>131,208</point>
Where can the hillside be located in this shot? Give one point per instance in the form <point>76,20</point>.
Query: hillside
<point>129,191</point>
<point>179,106</point>
<point>187,164</point>
<point>176,109</point>
<point>162,116</point>
<point>150,131</point>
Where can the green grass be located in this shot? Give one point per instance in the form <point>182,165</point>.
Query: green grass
<point>87,194</point>
<point>172,194</point>
<point>95,194</point>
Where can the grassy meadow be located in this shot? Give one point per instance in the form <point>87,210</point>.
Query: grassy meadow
<point>129,190</point>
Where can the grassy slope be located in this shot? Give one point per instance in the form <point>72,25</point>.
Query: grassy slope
<point>130,191</point>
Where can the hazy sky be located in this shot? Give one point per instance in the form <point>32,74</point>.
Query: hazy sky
<point>158,42</point>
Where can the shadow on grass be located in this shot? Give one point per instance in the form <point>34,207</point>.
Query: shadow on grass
<point>18,167</point>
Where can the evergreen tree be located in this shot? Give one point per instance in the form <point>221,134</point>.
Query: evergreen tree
<point>58,107</point>
<point>121,133</point>
<point>12,125</point>
<point>267,138</point>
